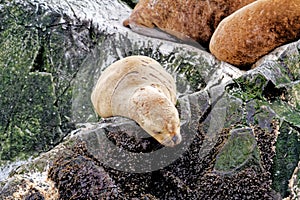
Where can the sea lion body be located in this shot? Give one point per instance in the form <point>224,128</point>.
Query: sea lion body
<point>255,30</point>
<point>192,19</point>
<point>139,88</point>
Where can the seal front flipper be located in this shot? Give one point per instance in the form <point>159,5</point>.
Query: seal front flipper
<point>168,35</point>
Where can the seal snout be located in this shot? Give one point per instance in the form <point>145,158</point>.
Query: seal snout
<point>171,142</point>
<point>172,139</point>
<point>176,139</point>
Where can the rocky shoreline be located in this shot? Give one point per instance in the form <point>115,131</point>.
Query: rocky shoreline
<point>240,128</point>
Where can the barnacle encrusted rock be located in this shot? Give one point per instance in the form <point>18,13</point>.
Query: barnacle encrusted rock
<point>255,30</point>
<point>193,19</point>
<point>78,177</point>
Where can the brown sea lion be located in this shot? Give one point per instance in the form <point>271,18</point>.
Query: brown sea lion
<point>255,30</point>
<point>194,19</point>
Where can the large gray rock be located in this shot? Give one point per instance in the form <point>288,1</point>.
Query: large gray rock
<point>71,43</point>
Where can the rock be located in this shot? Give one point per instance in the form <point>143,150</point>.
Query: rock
<point>31,186</point>
<point>131,3</point>
<point>255,30</point>
<point>239,151</point>
<point>79,177</point>
<point>294,183</point>
<point>215,100</point>
<point>44,57</point>
<point>23,113</point>
<point>30,180</point>
<point>185,170</point>
<point>276,81</point>
<point>185,19</point>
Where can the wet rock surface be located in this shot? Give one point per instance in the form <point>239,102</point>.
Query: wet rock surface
<point>69,44</point>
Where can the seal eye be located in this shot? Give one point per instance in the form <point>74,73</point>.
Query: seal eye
<point>158,132</point>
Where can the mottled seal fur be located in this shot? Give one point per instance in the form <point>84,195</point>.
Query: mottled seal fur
<point>255,30</point>
<point>192,19</point>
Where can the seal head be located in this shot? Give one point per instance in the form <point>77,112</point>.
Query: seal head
<point>156,114</point>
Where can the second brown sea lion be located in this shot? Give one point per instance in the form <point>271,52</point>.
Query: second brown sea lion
<point>255,30</point>
<point>192,19</point>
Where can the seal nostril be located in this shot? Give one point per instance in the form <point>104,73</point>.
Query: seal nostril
<point>174,139</point>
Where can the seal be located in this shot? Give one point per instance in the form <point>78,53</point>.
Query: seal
<point>255,30</point>
<point>139,88</point>
<point>192,19</point>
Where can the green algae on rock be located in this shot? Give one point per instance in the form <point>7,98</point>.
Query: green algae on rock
<point>286,159</point>
<point>270,92</point>
<point>33,124</point>
<point>38,62</point>
<point>25,126</point>
<point>239,151</point>
<point>294,183</point>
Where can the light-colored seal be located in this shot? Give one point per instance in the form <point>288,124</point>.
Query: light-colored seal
<point>255,30</point>
<point>138,87</point>
<point>192,19</point>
